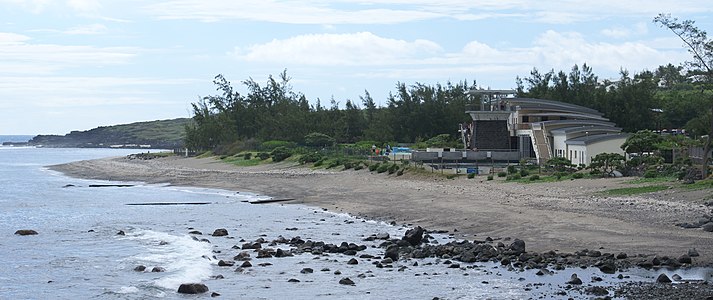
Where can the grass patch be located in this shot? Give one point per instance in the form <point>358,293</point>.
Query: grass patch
<point>699,185</point>
<point>636,190</point>
<point>651,180</point>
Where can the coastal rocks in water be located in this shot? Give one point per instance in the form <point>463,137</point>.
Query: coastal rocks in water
<point>353,261</point>
<point>121,232</point>
<point>192,288</point>
<point>685,259</point>
<point>140,268</point>
<point>157,270</point>
<point>597,291</point>
<point>607,267</point>
<point>246,264</point>
<point>382,236</point>
<point>663,279</point>
<point>413,236</point>
<point>346,281</point>
<point>220,232</point>
<point>195,232</point>
<point>574,280</point>
<point>293,280</point>
<point>307,271</point>
<point>226,263</point>
<point>26,232</point>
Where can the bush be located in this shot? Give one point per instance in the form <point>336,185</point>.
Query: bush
<point>490,177</point>
<point>524,173</point>
<point>318,139</point>
<point>333,163</point>
<point>502,174</point>
<point>400,172</point>
<point>534,177</point>
<point>512,169</point>
<point>382,168</point>
<point>310,157</point>
<point>348,165</point>
<point>272,145</point>
<point>471,175</point>
<point>577,175</point>
<point>358,167</point>
<point>393,168</point>
<point>650,174</point>
<point>451,176</point>
<point>247,156</point>
<point>516,176</point>
<point>280,153</point>
<point>263,155</point>
<point>373,167</point>
<point>320,162</point>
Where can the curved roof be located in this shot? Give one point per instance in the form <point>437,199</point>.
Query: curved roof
<point>595,128</point>
<point>576,122</point>
<point>545,104</point>
<point>591,139</point>
<point>567,114</point>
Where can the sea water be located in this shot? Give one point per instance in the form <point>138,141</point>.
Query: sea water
<point>78,253</point>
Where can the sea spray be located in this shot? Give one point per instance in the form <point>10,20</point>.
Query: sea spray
<point>183,258</point>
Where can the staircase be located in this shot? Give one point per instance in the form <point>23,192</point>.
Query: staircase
<point>541,143</point>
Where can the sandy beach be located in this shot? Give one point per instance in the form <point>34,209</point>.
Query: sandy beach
<point>565,216</point>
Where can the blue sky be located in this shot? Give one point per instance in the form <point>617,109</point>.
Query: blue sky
<point>78,64</point>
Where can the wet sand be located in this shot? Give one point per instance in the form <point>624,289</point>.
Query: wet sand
<point>564,216</point>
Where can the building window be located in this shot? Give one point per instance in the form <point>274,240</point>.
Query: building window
<point>525,119</point>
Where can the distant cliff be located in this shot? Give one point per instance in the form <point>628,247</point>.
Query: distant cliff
<point>163,134</point>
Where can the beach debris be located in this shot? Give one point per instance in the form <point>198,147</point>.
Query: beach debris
<point>192,288</point>
<point>26,232</point>
<point>220,232</point>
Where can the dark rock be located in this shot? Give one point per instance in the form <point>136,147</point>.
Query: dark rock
<point>246,264</point>
<point>353,261</point>
<point>346,281</point>
<point>517,247</point>
<point>414,235</point>
<point>307,271</point>
<point>608,267</point>
<point>693,253</point>
<point>293,280</point>
<point>685,259</point>
<point>248,246</point>
<point>621,255</point>
<point>687,225</point>
<point>220,232</point>
<point>663,279</point>
<point>214,294</point>
<point>337,272</point>
<point>574,280</point>
<point>218,277</point>
<point>676,277</point>
<point>192,288</point>
<point>382,236</point>
<point>597,291</point>
<point>26,232</point>
<point>195,232</point>
<point>282,253</point>
<point>707,227</point>
<point>140,268</point>
<point>226,263</point>
<point>121,232</point>
<point>157,270</point>
<point>392,252</point>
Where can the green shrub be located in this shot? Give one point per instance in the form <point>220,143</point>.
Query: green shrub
<point>524,173</point>
<point>333,163</point>
<point>272,145</point>
<point>358,167</point>
<point>373,167</point>
<point>650,174</point>
<point>509,177</point>
<point>516,176</point>
<point>451,176</point>
<point>382,168</point>
<point>471,175</point>
<point>502,174</point>
<point>393,168</point>
<point>320,162</point>
<point>224,156</point>
<point>512,169</point>
<point>400,172</point>
<point>248,156</point>
<point>534,177</point>
<point>280,153</point>
<point>348,165</point>
<point>310,157</point>
<point>263,155</point>
<point>577,175</point>
<point>490,177</point>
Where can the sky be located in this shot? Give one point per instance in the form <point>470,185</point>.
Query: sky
<point>78,64</point>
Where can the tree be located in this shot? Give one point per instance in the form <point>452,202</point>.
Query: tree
<point>701,47</point>
<point>560,164</point>
<point>317,139</point>
<point>643,141</point>
<point>607,163</point>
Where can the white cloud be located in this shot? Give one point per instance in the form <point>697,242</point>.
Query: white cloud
<point>85,6</point>
<point>19,56</point>
<point>363,48</point>
<point>87,29</point>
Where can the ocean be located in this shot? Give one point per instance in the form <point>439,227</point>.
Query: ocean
<point>78,253</point>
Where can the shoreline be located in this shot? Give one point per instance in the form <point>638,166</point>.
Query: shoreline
<point>565,216</point>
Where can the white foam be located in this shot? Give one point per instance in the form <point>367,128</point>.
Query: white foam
<point>181,256</point>
<point>127,290</point>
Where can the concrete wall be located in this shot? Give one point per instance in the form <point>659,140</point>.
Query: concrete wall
<point>424,156</point>
<point>491,135</point>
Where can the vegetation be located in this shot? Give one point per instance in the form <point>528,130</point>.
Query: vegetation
<point>605,164</point>
<point>636,190</point>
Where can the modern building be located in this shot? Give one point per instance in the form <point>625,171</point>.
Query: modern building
<point>537,129</point>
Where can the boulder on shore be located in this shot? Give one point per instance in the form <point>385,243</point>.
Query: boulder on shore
<point>220,232</point>
<point>192,288</point>
<point>414,236</point>
<point>26,232</point>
